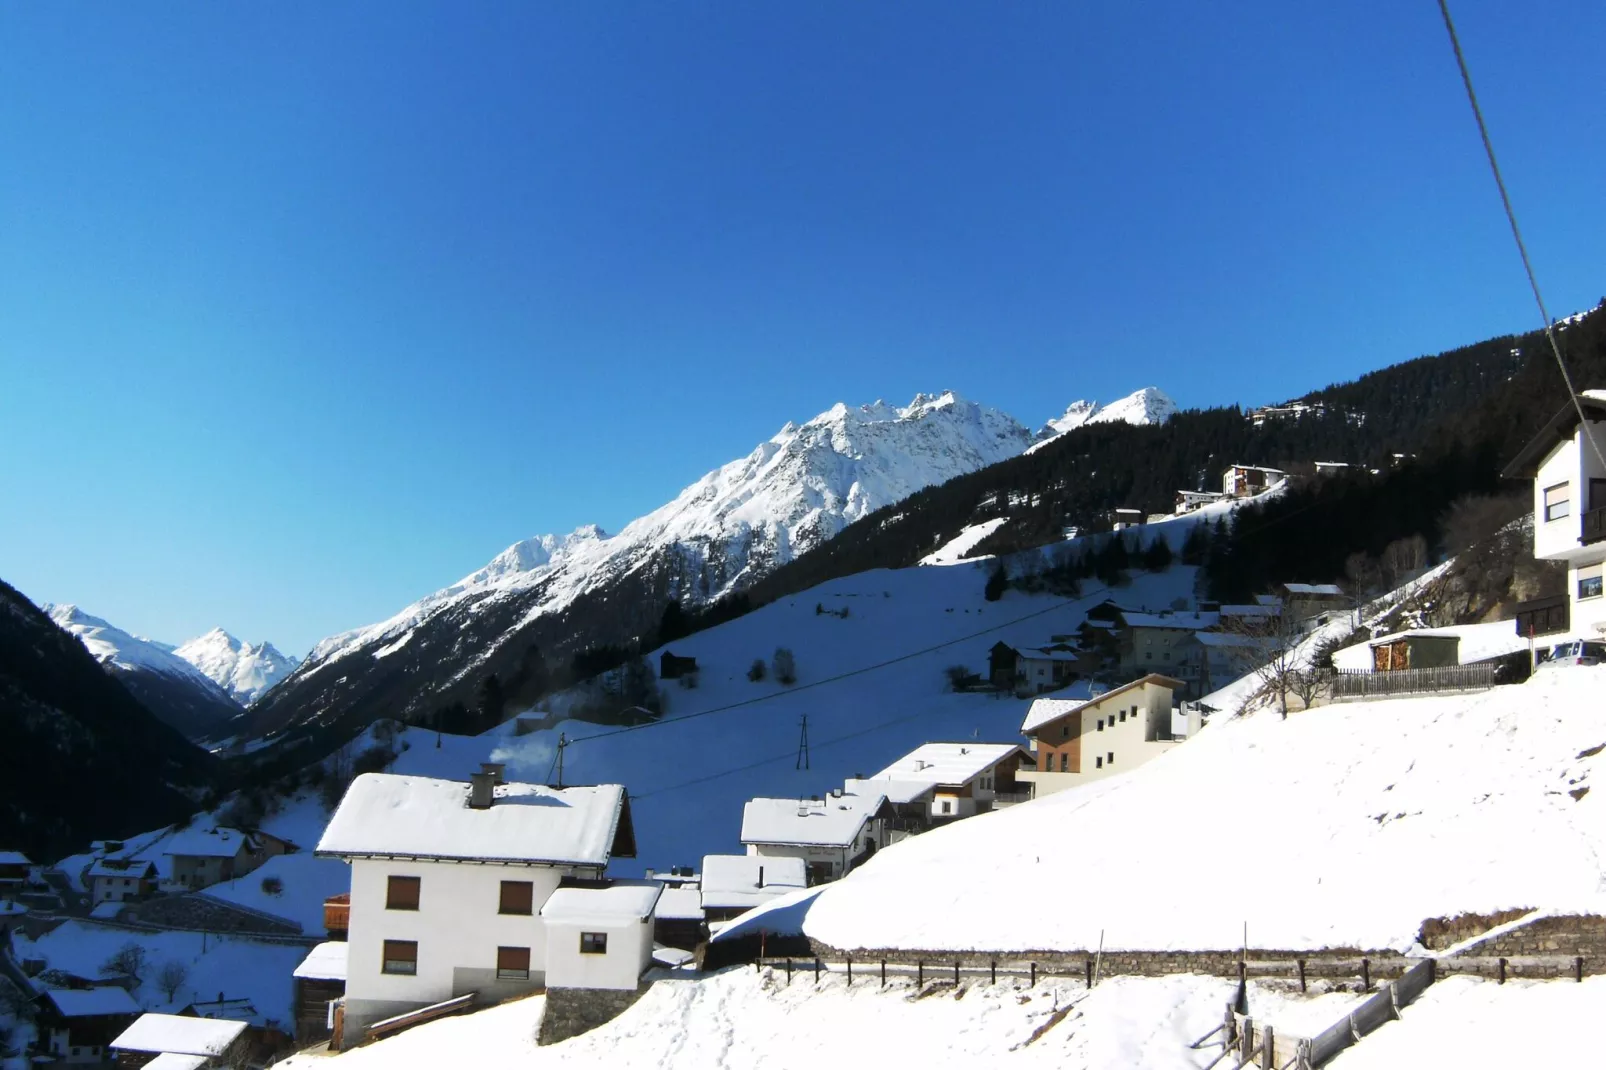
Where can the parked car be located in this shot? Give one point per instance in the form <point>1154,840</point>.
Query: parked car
<point>1578,652</point>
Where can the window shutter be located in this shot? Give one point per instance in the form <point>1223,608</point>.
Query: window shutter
<point>401,893</point>
<point>513,963</point>
<point>518,897</point>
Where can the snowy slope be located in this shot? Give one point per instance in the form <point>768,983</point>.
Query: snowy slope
<point>169,686</point>
<point>1372,816</point>
<point>243,670</point>
<point>1146,406</point>
<point>560,594</point>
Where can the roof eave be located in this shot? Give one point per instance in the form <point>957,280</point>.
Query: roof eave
<point>1527,463</point>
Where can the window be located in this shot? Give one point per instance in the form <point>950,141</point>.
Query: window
<point>402,893</point>
<point>518,897</point>
<point>1123,715</point>
<point>1589,581</point>
<point>593,943</point>
<point>1558,502</point>
<point>1065,731</point>
<point>401,956</point>
<point>512,963</point>
<point>1098,763</point>
<point>1101,724</point>
<point>1597,494</point>
<point>1065,763</point>
<point>1109,759</point>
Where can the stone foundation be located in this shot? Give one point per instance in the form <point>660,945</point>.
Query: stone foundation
<point>572,1011</point>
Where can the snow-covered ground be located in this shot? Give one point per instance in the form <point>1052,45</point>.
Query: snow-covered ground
<point>1363,819</point>
<point>236,967</point>
<point>956,548</point>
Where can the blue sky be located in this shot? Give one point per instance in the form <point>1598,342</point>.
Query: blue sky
<point>307,310</point>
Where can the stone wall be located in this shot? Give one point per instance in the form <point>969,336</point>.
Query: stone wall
<point>572,1011</point>
<point>1437,934</point>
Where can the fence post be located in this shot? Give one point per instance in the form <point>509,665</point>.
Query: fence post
<point>1087,971</point>
<point>920,974</point>
<point>1578,969</point>
<point>883,973</point>
<point>816,969</point>
<point>1267,1049</point>
<point>994,972</point>
<point>850,970</point>
<point>1302,987</point>
<point>956,973</point>
<point>788,970</point>
<point>1502,971</point>
<point>1366,975</point>
<point>1034,975</point>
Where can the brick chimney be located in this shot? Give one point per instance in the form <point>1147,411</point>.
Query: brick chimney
<point>481,790</point>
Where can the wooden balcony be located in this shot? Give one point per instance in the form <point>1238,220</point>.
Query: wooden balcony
<point>1594,529</point>
<point>337,913</point>
<point>1543,616</point>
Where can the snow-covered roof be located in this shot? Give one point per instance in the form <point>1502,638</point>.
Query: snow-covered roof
<point>88,1002</point>
<point>326,962</point>
<point>1047,710</point>
<point>172,1060</point>
<point>219,842</point>
<point>1039,653</point>
<point>947,763</point>
<point>898,792</point>
<point>834,821</point>
<point>621,901</point>
<point>732,880</point>
<point>387,815</point>
<point>671,956</point>
<point>1332,590</point>
<point>1426,633</point>
<point>781,916</point>
<point>1479,642</point>
<point>121,867</point>
<point>1256,468</point>
<point>1268,600</point>
<point>1182,621</point>
<point>681,904</point>
<point>179,1033</point>
<point>14,858</point>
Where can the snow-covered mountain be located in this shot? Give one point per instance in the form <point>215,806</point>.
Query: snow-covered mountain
<point>1146,406</point>
<point>737,523</point>
<point>243,670</point>
<point>170,687</point>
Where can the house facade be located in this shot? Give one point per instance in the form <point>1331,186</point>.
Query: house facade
<point>448,880</point>
<point>831,835</point>
<point>965,778</point>
<point>1034,670</point>
<point>1307,601</point>
<point>120,880</point>
<point>77,1026</point>
<point>1247,480</point>
<point>1569,506</point>
<point>1161,642</point>
<point>202,857</point>
<point>1079,742</point>
<point>16,871</point>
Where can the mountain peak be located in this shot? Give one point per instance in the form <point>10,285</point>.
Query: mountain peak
<point>242,670</point>
<point>1148,405</point>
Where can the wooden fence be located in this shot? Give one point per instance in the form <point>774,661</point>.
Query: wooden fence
<point>1404,682</point>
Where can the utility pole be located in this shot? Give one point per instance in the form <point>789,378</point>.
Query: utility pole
<point>563,741</point>
<point>803,745</point>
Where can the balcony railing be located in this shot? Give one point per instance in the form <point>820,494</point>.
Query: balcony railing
<point>1543,616</point>
<point>1594,526</point>
<point>337,913</point>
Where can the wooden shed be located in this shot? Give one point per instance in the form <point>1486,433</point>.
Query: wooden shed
<point>1415,650</point>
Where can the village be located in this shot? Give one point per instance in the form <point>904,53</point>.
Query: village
<point>468,891</point>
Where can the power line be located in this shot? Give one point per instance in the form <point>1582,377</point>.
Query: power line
<point>1516,232</point>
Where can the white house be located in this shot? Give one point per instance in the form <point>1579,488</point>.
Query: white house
<point>1309,600</point>
<point>164,1040</point>
<point>1569,503</point>
<point>202,857</point>
<point>1247,480</point>
<point>1078,742</point>
<point>1189,501</point>
<point>1161,642</point>
<point>600,937</point>
<point>448,878</point>
<point>735,884</point>
<point>1216,659</point>
<point>966,778</point>
<point>831,835</point>
<point>118,880</point>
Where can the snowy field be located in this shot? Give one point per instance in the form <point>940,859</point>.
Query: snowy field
<point>1345,826</point>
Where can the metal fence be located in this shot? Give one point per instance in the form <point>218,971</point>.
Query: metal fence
<point>1403,682</point>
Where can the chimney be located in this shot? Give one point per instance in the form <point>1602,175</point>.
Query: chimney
<point>495,769</point>
<point>481,790</point>
<point>761,876</point>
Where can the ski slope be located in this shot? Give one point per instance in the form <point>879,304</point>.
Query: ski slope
<point>1344,826</point>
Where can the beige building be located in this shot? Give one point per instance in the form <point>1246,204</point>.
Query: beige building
<point>1079,742</point>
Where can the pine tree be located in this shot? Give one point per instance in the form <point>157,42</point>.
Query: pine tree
<point>996,584</point>
<point>491,702</point>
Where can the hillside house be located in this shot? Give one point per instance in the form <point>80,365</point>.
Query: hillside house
<point>1078,742</point>
<point>1216,659</point>
<point>1188,501</point>
<point>202,857</point>
<point>159,1041</point>
<point>1161,642</point>
<point>1033,670</point>
<point>1247,480</point>
<point>17,871</point>
<point>831,835</point>
<point>76,1026</point>
<point>120,880</point>
<point>673,667</point>
<point>320,984</point>
<point>599,943</point>
<point>1122,519</point>
<point>1307,601</point>
<point>735,884</point>
<point>965,778</point>
<point>448,878</point>
<point>1569,505</point>
<point>909,805</point>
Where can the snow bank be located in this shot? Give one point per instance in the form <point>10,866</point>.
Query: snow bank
<point>1351,824</point>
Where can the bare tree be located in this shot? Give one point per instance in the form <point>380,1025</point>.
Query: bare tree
<point>1403,559</point>
<point>171,977</point>
<point>1267,647</point>
<point>783,667</point>
<point>129,960</point>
